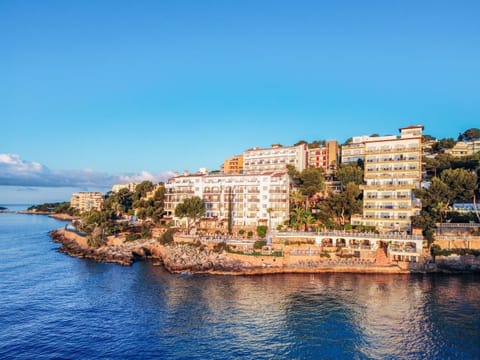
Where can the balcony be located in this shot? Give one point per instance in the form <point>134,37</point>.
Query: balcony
<point>392,150</point>
<point>387,186</point>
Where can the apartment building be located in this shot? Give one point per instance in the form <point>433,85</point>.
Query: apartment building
<point>86,201</point>
<point>276,158</point>
<point>130,186</point>
<point>464,148</point>
<point>355,150</point>
<point>233,165</point>
<point>252,199</point>
<point>326,157</point>
<point>393,169</point>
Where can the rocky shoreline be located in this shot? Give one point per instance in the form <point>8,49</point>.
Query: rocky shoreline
<point>125,254</point>
<point>188,258</point>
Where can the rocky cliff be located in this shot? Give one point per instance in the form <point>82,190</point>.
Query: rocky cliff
<point>124,254</point>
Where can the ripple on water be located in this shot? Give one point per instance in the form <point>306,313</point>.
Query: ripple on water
<point>55,306</point>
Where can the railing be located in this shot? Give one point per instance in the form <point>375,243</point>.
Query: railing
<point>340,233</point>
<point>457,237</point>
<point>387,186</point>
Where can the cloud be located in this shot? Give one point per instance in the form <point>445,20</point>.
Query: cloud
<point>18,172</point>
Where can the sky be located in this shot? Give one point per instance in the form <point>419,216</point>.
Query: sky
<point>98,92</point>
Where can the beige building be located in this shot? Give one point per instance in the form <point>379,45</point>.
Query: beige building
<point>276,158</point>
<point>234,165</point>
<point>86,201</point>
<point>253,199</point>
<point>326,157</point>
<point>466,148</point>
<point>130,186</point>
<point>393,169</point>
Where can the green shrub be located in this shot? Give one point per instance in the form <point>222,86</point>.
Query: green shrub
<point>259,244</point>
<point>220,247</point>
<point>132,237</point>
<point>249,234</point>
<point>262,231</point>
<point>167,236</point>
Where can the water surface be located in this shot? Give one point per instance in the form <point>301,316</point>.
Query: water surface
<point>55,306</point>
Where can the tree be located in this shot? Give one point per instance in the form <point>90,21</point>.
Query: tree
<point>316,144</point>
<point>437,192</point>
<point>262,231</point>
<point>297,217</point>
<point>269,212</point>
<point>428,138</point>
<point>308,182</point>
<point>349,172</point>
<point>461,183</point>
<point>294,174</point>
<point>469,135</point>
<point>142,189</point>
<point>348,141</point>
<point>121,202</point>
<point>340,206</point>
<point>309,219</point>
<point>312,181</point>
<point>191,208</point>
<point>230,211</point>
<point>443,144</point>
<point>297,198</point>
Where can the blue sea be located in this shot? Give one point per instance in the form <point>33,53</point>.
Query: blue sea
<point>53,306</point>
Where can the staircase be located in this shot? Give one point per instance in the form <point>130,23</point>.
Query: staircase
<point>381,257</point>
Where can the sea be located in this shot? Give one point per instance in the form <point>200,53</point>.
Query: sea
<point>53,306</point>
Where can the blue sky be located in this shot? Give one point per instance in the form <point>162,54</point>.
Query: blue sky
<point>99,91</point>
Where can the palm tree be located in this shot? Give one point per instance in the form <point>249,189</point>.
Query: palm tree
<point>298,217</point>
<point>269,211</point>
<point>297,198</point>
<point>309,220</point>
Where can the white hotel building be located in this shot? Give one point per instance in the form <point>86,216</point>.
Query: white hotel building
<point>275,158</point>
<point>253,199</point>
<point>393,169</point>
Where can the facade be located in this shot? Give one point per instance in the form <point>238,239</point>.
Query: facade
<point>252,199</point>
<point>276,158</point>
<point>130,186</point>
<point>234,165</point>
<point>326,157</point>
<point>86,201</point>
<point>355,150</point>
<point>466,148</point>
<point>393,169</point>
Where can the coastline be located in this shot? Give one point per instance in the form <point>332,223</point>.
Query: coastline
<point>185,258</point>
<point>59,216</point>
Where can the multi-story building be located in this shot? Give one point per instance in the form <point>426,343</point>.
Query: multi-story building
<point>130,186</point>
<point>393,169</point>
<point>276,158</point>
<point>355,150</point>
<point>464,148</point>
<point>251,199</point>
<point>326,157</point>
<point>86,201</point>
<point>233,165</point>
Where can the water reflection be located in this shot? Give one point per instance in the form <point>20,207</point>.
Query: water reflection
<point>333,315</point>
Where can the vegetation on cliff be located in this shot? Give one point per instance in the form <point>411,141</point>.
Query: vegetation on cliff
<point>118,211</point>
<point>54,208</point>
